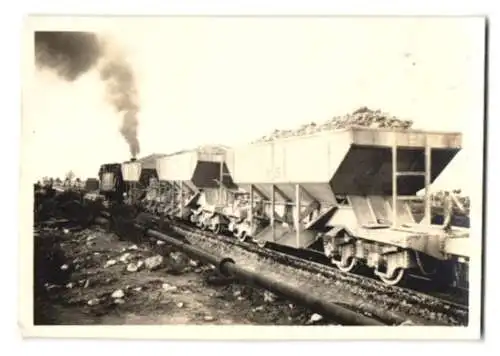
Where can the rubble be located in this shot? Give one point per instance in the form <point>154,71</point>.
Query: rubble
<point>363,116</point>
<point>177,262</point>
<point>269,297</point>
<point>168,288</point>
<point>118,294</point>
<point>146,285</point>
<point>154,262</point>
<point>133,267</point>
<point>314,318</point>
<point>93,301</point>
<point>124,258</point>
<point>110,263</point>
<point>208,318</point>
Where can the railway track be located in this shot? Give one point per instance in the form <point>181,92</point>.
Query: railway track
<point>452,305</point>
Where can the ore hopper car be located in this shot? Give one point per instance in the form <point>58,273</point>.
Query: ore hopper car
<point>199,187</point>
<point>350,189</point>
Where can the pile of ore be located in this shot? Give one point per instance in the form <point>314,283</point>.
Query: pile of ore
<point>363,117</point>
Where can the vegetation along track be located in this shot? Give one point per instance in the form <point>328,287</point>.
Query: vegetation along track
<point>444,309</point>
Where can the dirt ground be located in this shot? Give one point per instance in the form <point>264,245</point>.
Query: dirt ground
<point>93,277</point>
<point>371,299</point>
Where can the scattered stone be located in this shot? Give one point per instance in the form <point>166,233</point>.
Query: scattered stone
<point>177,262</point>
<point>91,237</point>
<point>138,289</point>
<point>314,318</point>
<point>70,285</point>
<point>66,231</point>
<point>259,308</point>
<point>180,305</point>
<point>269,297</point>
<point>86,284</point>
<point>236,293</point>
<point>194,263</point>
<point>119,301</point>
<point>97,254</point>
<point>240,298</point>
<point>208,318</point>
<point>168,287</point>
<point>291,306</point>
<point>407,323</point>
<point>123,258</point>
<point>133,247</point>
<point>110,263</point>
<point>93,301</point>
<point>118,294</point>
<point>64,267</point>
<point>132,267</point>
<point>160,242</point>
<point>140,264</point>
<point>197,270</point>
<point>153,263</point>
<point>49,286</point>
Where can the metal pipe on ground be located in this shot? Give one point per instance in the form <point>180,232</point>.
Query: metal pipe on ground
<point>229,268</point>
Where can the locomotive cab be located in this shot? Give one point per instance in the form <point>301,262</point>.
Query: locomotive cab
<point>111,184</point>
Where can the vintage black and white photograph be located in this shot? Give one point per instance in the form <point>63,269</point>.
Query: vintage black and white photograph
<point>236,176</point>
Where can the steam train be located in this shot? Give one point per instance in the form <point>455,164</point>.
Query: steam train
<point>347,190</point>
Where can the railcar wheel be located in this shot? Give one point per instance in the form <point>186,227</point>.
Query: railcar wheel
<point>242,237</point>
<point>396,278</point>
<point>349,266</point>
<point>217,228</point>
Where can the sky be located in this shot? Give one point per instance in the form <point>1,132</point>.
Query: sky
<point>219,80</point>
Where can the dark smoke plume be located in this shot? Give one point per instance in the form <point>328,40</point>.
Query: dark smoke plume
<point>72,54</point>
<point>122,94</point>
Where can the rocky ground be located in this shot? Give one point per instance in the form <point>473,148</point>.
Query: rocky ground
<point>92,277</point>
<point>370,298</point>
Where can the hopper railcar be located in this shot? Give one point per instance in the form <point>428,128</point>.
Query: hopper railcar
<point>350,189</point>
<point>197,187</point>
